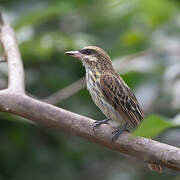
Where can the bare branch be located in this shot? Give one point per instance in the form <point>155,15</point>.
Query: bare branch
<point>54,117</point>
<point>66,92</point>
<point>13,57</point>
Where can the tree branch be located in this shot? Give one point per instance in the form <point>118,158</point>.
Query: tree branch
<point>14,100</point>
<point>54,117</point>
<point>11,51</point>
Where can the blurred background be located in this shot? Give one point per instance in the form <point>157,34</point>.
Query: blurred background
<point>143,39</point>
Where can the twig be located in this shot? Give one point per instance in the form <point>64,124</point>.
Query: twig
<point>66,92</point>
<point>14,100</point>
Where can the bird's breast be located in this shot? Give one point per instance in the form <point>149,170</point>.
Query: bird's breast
<point>93,86</point>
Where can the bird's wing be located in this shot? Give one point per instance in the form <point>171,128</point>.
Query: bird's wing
<point>120,96</point>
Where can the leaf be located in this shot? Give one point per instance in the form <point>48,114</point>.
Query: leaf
<point>152,126</point>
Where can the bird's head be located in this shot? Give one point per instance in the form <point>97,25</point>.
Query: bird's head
<point>91,56</point>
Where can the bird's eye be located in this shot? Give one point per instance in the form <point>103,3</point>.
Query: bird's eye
<point>87,51</point>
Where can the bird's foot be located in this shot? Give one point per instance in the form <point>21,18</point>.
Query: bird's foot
<point>98,123</point>
<point>117,132</point>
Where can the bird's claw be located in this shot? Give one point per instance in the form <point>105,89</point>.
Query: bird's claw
<point>117,132</point>
<point>97,124</point>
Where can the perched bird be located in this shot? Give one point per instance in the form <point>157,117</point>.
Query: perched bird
<point>109,92</point>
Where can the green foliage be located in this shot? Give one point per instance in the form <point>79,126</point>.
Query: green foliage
<point>152,126</point>
<point>133,79</point>
<point>41,16</point>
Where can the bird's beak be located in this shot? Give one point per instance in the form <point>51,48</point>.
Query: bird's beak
<point>75,54</point>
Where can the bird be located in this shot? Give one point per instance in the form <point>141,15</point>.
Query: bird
<point>110,93</point>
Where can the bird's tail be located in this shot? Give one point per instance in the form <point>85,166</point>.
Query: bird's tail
<point>155,167</point>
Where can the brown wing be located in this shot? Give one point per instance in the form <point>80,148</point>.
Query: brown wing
<point>120,96</point>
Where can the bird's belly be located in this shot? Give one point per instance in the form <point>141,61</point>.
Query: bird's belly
<point>105,107</point>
